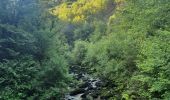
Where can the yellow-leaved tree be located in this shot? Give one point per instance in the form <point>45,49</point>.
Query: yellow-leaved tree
<point>80,10</point>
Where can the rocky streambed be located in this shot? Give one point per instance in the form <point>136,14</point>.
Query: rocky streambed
<point>87,89</point>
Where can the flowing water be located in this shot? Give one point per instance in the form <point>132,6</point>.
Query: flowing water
<point>88,84</point>
<point>76,97</point>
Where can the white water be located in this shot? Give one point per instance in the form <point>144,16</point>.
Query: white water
<point>76,97</point>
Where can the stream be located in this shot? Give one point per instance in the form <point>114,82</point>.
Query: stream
<point>88,87</point>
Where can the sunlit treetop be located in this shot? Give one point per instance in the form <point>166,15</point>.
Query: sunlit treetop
<point>80,10</point>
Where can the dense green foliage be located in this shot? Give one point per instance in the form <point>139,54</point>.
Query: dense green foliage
<point>124,42</point>
<point>32,57</point>
<point>130,48</point>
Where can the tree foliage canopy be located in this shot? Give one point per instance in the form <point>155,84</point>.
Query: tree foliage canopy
<point>125,43</point>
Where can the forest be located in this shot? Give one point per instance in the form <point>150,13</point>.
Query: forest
<point>84,49</point>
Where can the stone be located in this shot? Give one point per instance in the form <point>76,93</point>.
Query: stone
<point>77,91</point>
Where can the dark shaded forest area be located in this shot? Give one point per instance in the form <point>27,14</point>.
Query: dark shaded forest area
<point>49,47</point>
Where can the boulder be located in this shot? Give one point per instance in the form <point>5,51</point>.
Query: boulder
<point>77,91</point>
